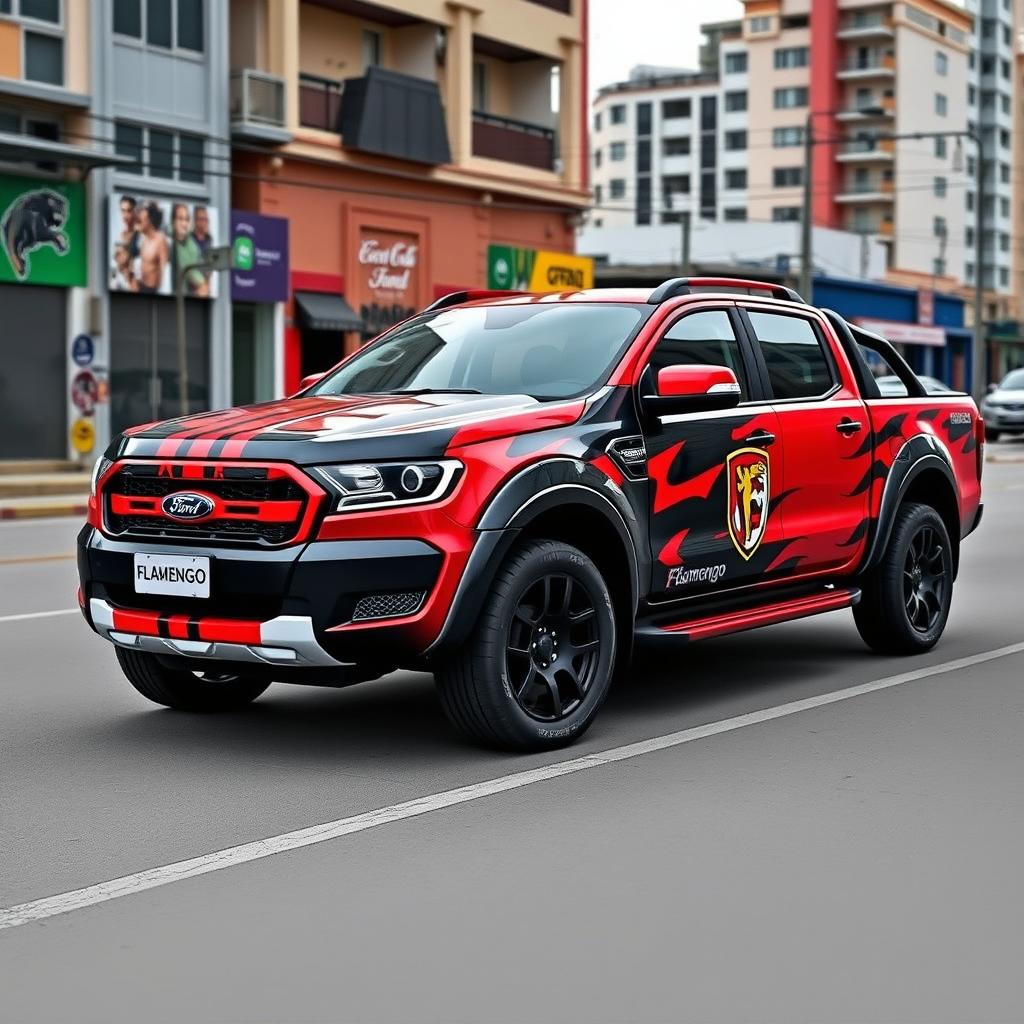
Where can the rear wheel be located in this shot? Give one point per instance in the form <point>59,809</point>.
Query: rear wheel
<point>539,663</point>
<point>991,435</point>
<point>907,596</point>
<point>187,690</point>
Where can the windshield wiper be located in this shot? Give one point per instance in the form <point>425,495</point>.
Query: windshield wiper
<point>431,391</point>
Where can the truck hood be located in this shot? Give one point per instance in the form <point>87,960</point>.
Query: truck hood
<point>311,430</point>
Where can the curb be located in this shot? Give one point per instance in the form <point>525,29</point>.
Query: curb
<point>1006,460</point>
<point>44,509</point>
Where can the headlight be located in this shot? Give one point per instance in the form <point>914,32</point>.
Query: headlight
<point>100,467</point>
<point>389,484</point>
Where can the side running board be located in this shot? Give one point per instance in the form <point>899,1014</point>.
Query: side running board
<point>737,621</point>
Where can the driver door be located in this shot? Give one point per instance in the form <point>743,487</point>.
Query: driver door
<point>711,473</point>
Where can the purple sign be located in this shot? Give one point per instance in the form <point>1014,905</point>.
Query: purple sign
<point>260,257</point>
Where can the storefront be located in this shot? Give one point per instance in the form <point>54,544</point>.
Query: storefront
<point>371,251</point>
<point>154,243</point>
<point>44,393</point>
<point>928,328</point>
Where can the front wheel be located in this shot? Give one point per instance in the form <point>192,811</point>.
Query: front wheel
<point>907,597</point>
<point>185,690</point>
<point>539,663</point>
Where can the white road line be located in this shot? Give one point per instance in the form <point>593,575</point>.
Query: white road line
<point>38,615</point>
<point>50,906</point>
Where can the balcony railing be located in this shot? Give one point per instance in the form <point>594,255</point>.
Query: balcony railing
<point>517,142</point>
<point>320,102</point>
<point>257,102</point>
<point>875,62</point>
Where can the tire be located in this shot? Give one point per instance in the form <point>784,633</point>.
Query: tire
<point>506,687</point>
<point>906,598</point>
<point>185,690</point>
<point>991,435</point>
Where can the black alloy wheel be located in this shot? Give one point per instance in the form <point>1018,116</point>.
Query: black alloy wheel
<point>924,579</point>
<point>553,647</point>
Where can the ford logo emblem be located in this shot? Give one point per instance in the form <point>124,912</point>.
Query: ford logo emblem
<point>185,505</point>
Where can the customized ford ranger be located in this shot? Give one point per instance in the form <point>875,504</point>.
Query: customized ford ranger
<point>510,490</point>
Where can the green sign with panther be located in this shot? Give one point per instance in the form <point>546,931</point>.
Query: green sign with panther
<point>42,232</point>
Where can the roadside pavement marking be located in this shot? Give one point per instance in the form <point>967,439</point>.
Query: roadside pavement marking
<point>26,559</point>
<point>37,615</point>
<point>50,906</point>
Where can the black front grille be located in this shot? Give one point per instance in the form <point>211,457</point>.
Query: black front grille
<point>240,490</point>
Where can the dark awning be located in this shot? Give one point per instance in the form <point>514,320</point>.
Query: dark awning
<point>320,311</point>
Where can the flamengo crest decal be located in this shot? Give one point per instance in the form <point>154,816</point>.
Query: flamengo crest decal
<point>747,498</point>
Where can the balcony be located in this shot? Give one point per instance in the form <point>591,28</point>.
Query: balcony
<point>258,107</point>
<point>875,66</point>
<point>320,102</point>
<point>866,151</point>
<point>862,27</point>
<point>876,191</point>
<point>517,142</point>
<point>869,110</point>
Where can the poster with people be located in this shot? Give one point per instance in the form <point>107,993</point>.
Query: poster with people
<point>152,240</point>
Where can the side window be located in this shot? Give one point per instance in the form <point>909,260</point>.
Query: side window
<point>704,337</point>
<point>796,362</point>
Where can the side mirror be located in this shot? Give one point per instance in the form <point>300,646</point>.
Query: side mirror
<point>694,388</point>
<point>991,388</point>
<point>308,382</point>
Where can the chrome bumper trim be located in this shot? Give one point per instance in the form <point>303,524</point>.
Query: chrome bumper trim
<point>285,640</point>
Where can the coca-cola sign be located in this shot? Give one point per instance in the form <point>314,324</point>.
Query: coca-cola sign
<point>390,265</point>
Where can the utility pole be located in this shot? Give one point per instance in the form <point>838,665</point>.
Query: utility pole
<point>684,247</point>
<point>806,229</point>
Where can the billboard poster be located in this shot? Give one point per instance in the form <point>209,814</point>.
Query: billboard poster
<point>150,239</point>
<point>536,270</point>
<point>388,277</point>
<point>42,232</point>
<point>260,245</point>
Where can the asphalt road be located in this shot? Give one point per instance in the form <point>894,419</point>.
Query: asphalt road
<point>857,860</point>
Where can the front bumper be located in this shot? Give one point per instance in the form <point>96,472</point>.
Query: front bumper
<point>297,606</point>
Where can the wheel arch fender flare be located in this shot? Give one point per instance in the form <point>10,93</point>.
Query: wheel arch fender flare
<point>526,496</point>
<point>921,454</point>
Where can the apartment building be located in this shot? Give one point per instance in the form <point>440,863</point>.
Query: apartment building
<point>415,146</point>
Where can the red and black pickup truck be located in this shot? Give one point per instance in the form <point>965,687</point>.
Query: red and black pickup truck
<point>511,490</point>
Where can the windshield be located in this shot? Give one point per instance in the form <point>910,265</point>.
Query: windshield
<point>546,351</point>
<point>1013,381</point>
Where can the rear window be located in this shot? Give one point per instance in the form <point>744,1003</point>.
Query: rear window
<point>793,354</point>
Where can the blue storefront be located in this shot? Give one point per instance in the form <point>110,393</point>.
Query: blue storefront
<point>926,326</point>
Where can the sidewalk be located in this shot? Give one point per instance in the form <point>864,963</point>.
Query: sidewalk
<point>36,488</point>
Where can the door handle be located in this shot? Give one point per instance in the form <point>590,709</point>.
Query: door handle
<point>848,426</point>
<point>761,437</point>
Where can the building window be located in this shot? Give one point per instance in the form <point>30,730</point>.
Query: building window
<point>128,142</point>
<point>44,58</point>
<point>791,57</point>
<point>940,187</point>
<point>480,86</point>
<point>190,157</point>
<point>161,154</point>
<point>643,119</point>
<point>939,267</point>
<point>38,10</point>
<point>736,101</point>
<point>1004,173</point>
<point>1004,242</point>
<point>941,106</point>
<point>598,195</point>
<point>735,140</point>
<point>1004,138</point>
<point>371,51</point>
<point>941,63</point>
<point>597,158</point>
<point>939,228</point>
<point>790,97</point>
<point>675,108</point>
<point>762,23</point>
<point>785,214</point>
<point>1004,206</point>
<point>597,122</point>
<point>617,113</point>
<point>734,213</point>
<point>676,147</point>
<point>672,184</point>
<point>736,178</point>
<point>617,188</point>
<point>782,138</point>
<point>163,23</point>
<point>643,156</point>
<point>736,63</point>
<point>1004,277</point>
<point>617,151</point>
<point>787,177</point>
<point>940,146</point>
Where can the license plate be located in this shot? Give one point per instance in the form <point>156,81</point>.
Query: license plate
<point>180,575</point>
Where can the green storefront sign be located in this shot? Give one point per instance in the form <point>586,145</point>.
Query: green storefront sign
<point>42,232</point>
<point>509,267</point>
